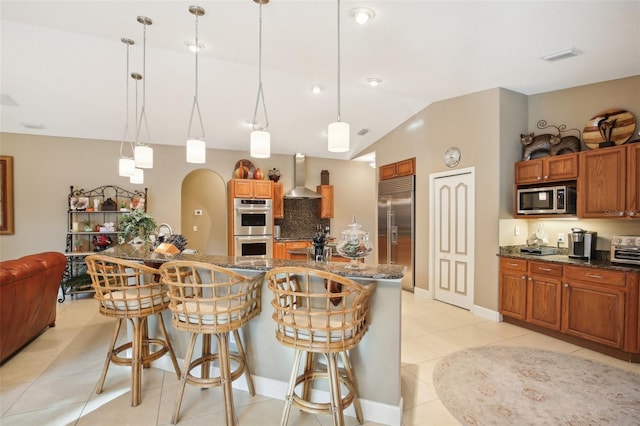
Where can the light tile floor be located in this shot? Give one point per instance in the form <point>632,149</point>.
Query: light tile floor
<point>53,380</point>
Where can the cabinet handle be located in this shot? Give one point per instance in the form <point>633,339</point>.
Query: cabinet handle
<point>544,269</point>
<point>524,277</point>
<point>539,177</point>
<point>513,264</point>
<point>546,177</point>
<point>566,285</point>
<point>632,213</point>
<point>594,276</point>
<point>621,213</point>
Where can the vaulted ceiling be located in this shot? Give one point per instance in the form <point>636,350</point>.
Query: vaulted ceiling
<point>63,68</point>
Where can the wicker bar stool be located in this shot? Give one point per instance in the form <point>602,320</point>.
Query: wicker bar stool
<point>318,312</point>
<point>128,291</point>
<point>209,300</point>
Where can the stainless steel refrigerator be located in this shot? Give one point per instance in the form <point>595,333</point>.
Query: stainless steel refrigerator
<point>396,230</point>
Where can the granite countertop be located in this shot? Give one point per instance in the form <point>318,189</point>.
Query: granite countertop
<point>601,259</point>
<point>145,254</point>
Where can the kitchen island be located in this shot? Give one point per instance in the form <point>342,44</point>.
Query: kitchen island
<point>376,360</point>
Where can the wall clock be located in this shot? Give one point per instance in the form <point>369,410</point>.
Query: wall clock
<point>452,157</point>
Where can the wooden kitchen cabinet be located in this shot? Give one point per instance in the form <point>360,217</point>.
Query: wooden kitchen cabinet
<point>278,250</point>
<point>601,186</point>
<point>513,288</point>
<point>594,305</point>
<point>633,180</point>
<point>544,292</point>
<point>401,168</point>
<point>251,188</point>
<point>325,206</point>
<point>278,201</point>
<point>281,249</point>
<point>548,169</point>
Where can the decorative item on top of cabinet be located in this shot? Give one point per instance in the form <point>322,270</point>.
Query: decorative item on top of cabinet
<point>278,200</point>
<point>251,188</point>
<point>609,183</point>
<point>548,143</point>
<point>401,168</point>
<point>607,128</point>
<point>547,169</point>
<point>325,206</point>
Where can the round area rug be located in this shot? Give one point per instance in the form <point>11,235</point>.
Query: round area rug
<point>504,385</point>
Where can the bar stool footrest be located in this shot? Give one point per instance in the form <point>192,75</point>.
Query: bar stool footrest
<point>321,407</point>
<point>207,382</point>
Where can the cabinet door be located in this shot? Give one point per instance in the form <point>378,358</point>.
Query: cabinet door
<point>529,171</point>
<point>513,288</point>
<point>594,312</point>
<point>325,207</point>
<point>633,181</point>
<point>295,245</point>
<point>279,251</point>
<point>543,301</point>
<point>601,184</point>
<point>278,201</point>
<point>263,189</point>
<point>406,167</point>
<point>242,188</point>
<point>388,171</point>
<point>561,167</point>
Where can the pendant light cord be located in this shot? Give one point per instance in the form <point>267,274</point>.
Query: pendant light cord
<point>196,105</point>
<point>260,92</point>
<point>143,114</point>
<point>338,60</point>
<point>128,42</point>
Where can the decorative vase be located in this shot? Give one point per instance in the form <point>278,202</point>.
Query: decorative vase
<point>354,244</point>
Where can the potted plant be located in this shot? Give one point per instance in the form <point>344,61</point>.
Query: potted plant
<point>137,224</point>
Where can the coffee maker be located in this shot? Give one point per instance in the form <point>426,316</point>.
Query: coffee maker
<point>582,244</point>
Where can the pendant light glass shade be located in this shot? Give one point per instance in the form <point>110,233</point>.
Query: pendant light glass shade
<point>338,137</point>
<point>138,177</point>
<point>143,156</point>
<point>126,167</point>
<point>260,141</point>
<point>338,132</point>
<point>196,146</point>
<point>196,151</point>
<point>260,144</point>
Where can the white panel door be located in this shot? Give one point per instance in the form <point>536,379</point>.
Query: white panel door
<point>452,238</point>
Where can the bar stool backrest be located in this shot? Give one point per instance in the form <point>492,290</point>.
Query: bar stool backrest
<point>318,311</point>
<point>125,289</point>
<point>206,298</point>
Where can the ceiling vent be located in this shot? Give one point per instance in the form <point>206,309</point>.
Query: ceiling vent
<point>363,132</point>
<point>37,126</point>
<point>561,54</point>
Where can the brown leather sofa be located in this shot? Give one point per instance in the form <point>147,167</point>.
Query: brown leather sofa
<point>28,294</point>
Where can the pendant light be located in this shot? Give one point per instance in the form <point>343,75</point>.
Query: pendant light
<point>143,153</point>
<point>126,164</point>
<point>138,173</point>
<point>260,145</point>
<point>338,132</point>
<point>196,147</point>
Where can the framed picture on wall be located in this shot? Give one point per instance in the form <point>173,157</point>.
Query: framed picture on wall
<point>6,195</point>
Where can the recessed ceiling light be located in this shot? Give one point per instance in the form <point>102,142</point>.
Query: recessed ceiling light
<point>316,90</point>
<point>373,81</point>
<point>192,46</point>
<point>362,15</point>
<point>561,54</point>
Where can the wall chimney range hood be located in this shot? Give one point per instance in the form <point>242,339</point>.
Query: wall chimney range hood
<point>299,190</point>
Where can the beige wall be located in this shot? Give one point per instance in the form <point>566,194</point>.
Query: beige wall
<point>486,126</point>
<point>45,167</point>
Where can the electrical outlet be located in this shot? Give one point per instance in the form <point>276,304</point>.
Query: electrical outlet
<point>516,231</point>
<point>195,227</point>
<point>561,237</point>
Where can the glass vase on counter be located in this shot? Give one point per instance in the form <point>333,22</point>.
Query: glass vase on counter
<point>354,244</point>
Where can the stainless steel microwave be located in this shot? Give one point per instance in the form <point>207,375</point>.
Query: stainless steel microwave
<point>547,200</point>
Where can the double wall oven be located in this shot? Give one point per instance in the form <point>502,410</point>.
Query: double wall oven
<point>253,227</point>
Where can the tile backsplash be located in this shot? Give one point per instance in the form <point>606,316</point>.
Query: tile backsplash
<point>300,218</point>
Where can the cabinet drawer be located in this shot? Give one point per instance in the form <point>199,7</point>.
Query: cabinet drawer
<point>543,268</point>
<point>513,265</point>
<point>594,275</point>
<point>293,245</point>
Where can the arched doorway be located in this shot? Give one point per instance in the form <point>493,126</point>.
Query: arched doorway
<point>204,212</point>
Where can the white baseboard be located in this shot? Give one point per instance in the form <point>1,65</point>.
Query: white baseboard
<point>372,411</point>
<point>486,313</point>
